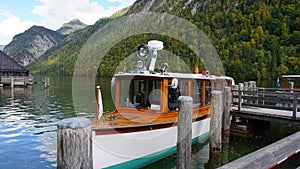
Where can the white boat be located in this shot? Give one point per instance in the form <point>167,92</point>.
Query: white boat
<point>143,127</point>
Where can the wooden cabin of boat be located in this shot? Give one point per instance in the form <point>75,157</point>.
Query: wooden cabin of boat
<point>145,97</point>
<point>295,79</point>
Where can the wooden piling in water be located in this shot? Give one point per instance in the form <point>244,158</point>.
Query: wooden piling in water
<point>226,116</point>
<point>12,82</point>
<point>246,88</point>
<point>74,143</point>
<point>216,112</point>
<point>227,104</point>
<point>251,88</point>
<point>184,138</point>
<point>241,88</point>
<point>46,82</point>
<point>235,87</point>
<point>291,88</point>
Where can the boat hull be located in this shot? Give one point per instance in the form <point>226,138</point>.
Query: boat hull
<point>138,149</point>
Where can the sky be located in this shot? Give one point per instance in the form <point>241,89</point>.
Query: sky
<point>16,16</point>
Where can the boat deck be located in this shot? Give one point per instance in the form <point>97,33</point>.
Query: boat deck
<point>138,118</point>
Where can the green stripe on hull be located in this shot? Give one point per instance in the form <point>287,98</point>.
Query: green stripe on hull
<point>146,160</point>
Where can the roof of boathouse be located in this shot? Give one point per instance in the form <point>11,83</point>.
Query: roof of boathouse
<point>8,64</point>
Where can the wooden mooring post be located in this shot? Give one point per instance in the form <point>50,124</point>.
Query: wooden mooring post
<point>216,113</point>
<point>226,116</point>
<point>241,88</point>
<point>246,88</point>
<point>46,82</point>
<point>184,137</point>
<point>74,143</point>
<point>12,82</point>
<point>295,105</point>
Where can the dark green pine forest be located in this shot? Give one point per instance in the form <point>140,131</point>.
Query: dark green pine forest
<point>255,39</point>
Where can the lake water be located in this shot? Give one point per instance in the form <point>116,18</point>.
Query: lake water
<point>28,120</point>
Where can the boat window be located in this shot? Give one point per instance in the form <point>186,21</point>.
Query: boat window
<point>124,93</point>
<point>207,92</point>
<point>173,95</point>
<point>140,94</point>
<point>183,88</point>
<point>197,93</point>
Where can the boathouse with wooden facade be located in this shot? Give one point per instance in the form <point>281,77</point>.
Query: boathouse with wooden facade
<point>12,73</point>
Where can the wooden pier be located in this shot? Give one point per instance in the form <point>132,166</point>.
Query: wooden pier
<point>278,105</point>
<point>14,81</point>
<point>269,156</point>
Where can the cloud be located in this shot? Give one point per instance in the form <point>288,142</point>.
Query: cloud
<point>57,12</point>
<point>124,2</point>
<point>10,26</point>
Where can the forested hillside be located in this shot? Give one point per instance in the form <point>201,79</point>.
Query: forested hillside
<point>255,39</point>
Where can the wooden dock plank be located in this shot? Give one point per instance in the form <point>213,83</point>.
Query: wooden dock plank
<point>268,156</point>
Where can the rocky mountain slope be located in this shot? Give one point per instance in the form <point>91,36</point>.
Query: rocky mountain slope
<point>71,27</point>
<point>60,60</point>
<point>33,43</point>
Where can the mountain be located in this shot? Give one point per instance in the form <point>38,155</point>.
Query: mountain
<point>60,60</point>
<point>2,47</point>
<point>28,46</point>
<point>71,27</point>
<point>255,39</point>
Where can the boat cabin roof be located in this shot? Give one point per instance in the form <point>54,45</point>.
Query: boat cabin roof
<point>290,76</point>
<point>173,75</point>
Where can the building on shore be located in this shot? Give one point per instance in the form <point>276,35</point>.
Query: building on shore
<point>12,73</point>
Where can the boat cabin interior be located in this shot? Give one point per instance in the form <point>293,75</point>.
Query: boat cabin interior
<point>159,94</point>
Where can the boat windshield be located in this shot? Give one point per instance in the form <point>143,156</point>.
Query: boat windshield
<point>140,93</point>
<point>147,93</point>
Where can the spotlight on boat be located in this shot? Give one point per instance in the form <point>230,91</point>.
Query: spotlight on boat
<point>143,52</point>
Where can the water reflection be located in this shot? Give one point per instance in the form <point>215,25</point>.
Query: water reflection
<point>28,120</point>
